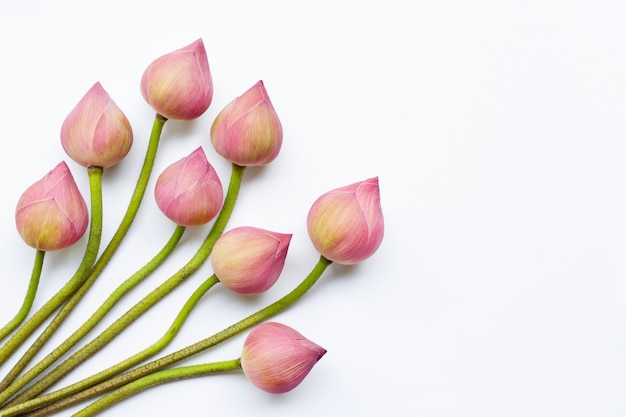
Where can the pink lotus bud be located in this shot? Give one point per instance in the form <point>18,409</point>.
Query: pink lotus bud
<point>346,224</point>
<point>276,358</point>
<point>189,192</point>
<point>249,260</point>
<point>52,214</point>
<point>96,132</point>
<point>247,131</point>
<point>178,85</point>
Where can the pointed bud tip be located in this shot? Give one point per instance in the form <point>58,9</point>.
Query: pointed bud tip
<point>178,85</point>
<point>247,131</point>
<point>51,214</point>
<point>189,191</point>
<point>276,358</point>
<point>96,132</point>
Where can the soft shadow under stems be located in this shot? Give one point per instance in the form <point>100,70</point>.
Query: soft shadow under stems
<point>103,260</point>
<point>152,298</point>
<point>172,358</point>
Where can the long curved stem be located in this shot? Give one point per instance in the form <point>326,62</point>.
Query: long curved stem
<point>95,318</point>
<point>152,298</point>
<point>135,199</point>
<point>103,260</point>
<point>27,304</point>
<point>158,378</point>
<point>53,404</point>
<point>151,350</point>
<point>91,252</point>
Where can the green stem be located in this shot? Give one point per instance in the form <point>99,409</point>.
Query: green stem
<point>265,313</point>
<point>28,299</point>
<point>127,363</point>
<point>24,404</point>
<point>93,320</point>
<point>105,257</point>
<point>91,252</point>
<point>150,351</point>
<point>157,378</point>
<point>135,199</point>
<point>152,298</point>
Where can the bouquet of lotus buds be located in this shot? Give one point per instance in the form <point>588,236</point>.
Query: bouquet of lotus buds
<point>345,226</point>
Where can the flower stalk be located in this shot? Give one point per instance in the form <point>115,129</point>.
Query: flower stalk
<point>50,403</point>
<point>16,405</point>
<point>31,292</point>
<point>92,321</point>
<point>158,378</point>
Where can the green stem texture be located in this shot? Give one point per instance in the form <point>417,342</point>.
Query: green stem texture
<point>28,299</point>
<point>175,357</point>
<point>21,404</point>
<point>157,378</point>
<point>94,319</point>
<point>127,363</point>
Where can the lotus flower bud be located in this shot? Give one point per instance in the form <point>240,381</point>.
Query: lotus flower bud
<point>51,214</point>
<point>96,132</point>
<point>189,192</point>
<point>346,224</point>
<point>276,358</point>
<point>247,131</point>
<point>249,260</point>
<point>178,85</point>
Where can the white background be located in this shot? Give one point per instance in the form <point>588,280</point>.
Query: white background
<point>496,129</point>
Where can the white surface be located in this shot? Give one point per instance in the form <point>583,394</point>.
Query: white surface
<point>496,129</point>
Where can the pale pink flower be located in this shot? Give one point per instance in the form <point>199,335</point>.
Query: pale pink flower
<point>178,85</point>
<point>52,214</point>
<point>189,192</point>
<point>247,132</point>
<point>276,358</point>
<point>346,224</point>
<point>96,132</point>
<point>249,260</point>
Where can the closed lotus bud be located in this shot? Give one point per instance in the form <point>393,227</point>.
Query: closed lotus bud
<point>178,85</point>
<point>96,132</point>
<point>346,225</point>
<point>276,358</point>
<point>51,214</point>
<point>247,132</point>
<point>249,260</point>
<point>189,192</point>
